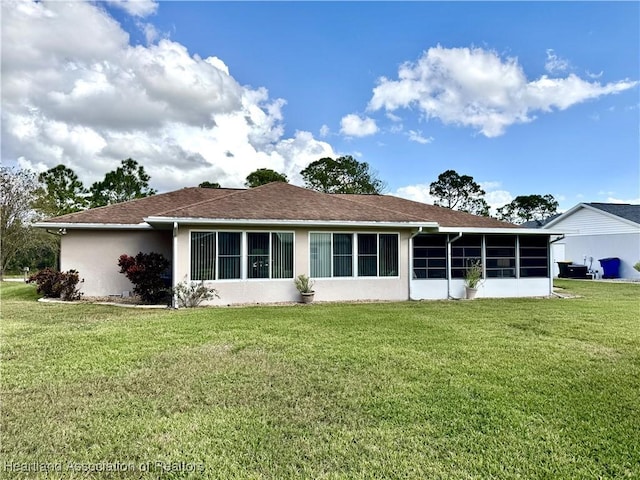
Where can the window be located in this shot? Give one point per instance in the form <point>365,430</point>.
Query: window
<point>228,255</point>
<point>464,252</point>
<point>218,255</point>
<point>332,254</point>
<point>282,255</point>
<point>500,256</point>
<point>342,255</point>
<point>203,255</point>
<point>320,255</point>
<point>388,255</point>
<point>257,255</point>
<point>430,256</point>
<point>269,255</point>
<point>367,255</point>
<point>534,256</point>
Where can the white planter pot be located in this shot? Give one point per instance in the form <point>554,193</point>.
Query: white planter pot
<point>470,292</point>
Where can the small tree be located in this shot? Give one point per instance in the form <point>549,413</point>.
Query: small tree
<point>459,192</point>
<point>127,182</point>
<point>524,208</point>
<point>209,185</point>
<point>146,271</point>
<point>262,176</point>
<point>17,193</point>
<point>342,175</point>
<point>61,192</point>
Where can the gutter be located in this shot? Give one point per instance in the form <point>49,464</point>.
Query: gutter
<point>449,242</point>
<point>93,226</point>
<point>289,223</point>
<point>551,262</point>
<point>410,256</point>
<point>174,267</point>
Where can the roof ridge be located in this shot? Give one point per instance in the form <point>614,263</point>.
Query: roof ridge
<point>234,192</point>
<point>377,206</point>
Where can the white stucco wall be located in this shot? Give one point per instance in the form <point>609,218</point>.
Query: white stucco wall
<point>283,290</point>
<point>432,289</point>
<point>94,254</point>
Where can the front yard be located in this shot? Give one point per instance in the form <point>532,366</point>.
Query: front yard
<point>511,388</point>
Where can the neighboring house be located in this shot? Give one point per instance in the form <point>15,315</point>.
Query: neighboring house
<point>251,243</point>
<point>597,231</point>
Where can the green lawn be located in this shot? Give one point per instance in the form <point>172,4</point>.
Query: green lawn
<point>512,388</point>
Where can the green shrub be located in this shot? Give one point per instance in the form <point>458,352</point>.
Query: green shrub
<point>146,271</point>
<point>191,294</point>
<point>54,284</point>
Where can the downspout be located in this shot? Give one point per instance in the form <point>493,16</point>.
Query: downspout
<point>174,273</point>
<point>449,242</point>
<point>561,237</point>
<point>410,272</point>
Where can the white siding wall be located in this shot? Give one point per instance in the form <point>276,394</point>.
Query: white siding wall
<point>95,253</point>
<point>624,246</point>
<point>585,221</point>
<point>596,235</point>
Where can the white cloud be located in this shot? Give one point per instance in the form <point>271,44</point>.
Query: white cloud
<point>555,64</point>
<point>324,131</point>
<point>416,136</point>
<point>418,192</point>
<point>634,201</point>
<point>477,88</point>
<point>353,125</point>
<point>136,8</point>
<point>75,91</point>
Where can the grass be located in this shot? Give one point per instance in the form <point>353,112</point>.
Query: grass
<point>511,388</point>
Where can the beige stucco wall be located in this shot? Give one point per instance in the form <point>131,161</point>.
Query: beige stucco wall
<point>95,253</point>
<point>283,290</point>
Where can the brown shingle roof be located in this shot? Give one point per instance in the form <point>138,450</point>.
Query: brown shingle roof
<point>283,201</point>
<point>134,211</point>
<point>275,201</point>
<point>444,216</point>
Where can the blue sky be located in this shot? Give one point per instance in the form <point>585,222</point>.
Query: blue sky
<point>528,98</point>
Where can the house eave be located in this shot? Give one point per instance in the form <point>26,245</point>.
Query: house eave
<point>286,223</point>
<point>500,230</point>
<point>94,226</point>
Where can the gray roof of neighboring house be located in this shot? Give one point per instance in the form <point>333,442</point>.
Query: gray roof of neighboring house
<point>622,210</point>
<point>539,223</point>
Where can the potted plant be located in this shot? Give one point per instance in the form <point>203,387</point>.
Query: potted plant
<point>305,286</point>
<point>472,278</point>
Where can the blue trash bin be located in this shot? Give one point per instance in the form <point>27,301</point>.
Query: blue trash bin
<point>610,267</point>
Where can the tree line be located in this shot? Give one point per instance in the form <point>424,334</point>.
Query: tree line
<point>58,191</point>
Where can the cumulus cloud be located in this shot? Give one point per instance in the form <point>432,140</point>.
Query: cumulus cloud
<point>353,125</point>
<point>75,91</point>
<point>136,8</point>
<point>477,88</point>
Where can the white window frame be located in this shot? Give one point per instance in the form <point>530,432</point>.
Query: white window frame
<point>244,256</point>
<point>354,254</point>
